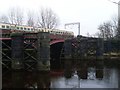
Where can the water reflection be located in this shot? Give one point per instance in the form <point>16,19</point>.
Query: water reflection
<point>30,80</point>
<point>108,79</point>
<point>83,76</point>
<point>111,77</point>
<point>26,79</point>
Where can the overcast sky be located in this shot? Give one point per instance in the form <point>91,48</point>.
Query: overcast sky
<point>90,13</point>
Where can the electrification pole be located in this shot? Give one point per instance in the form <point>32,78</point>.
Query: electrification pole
<point>114,2</point>
<point>77,23</point>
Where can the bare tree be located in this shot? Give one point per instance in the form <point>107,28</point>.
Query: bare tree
<point>16,16</point>
<point>106,30</point>
<point>115,24</point>
<point>30,19</point>
<point>47,19</point>
<point>4,19</point>
<point>110,29</point>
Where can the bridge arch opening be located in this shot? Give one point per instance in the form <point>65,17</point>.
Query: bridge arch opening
<point>55,52</point>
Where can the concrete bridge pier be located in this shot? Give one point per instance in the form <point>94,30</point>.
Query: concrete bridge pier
<point>68,58</point>
<point>99,58</point>
<point>43,52</point>
<point>68,49</point>
<point>17,60</point>
<point>17,50</point>
<point>100,48</point>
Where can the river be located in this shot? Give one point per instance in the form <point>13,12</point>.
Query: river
<point>106,77</point>
<point>110,80</point>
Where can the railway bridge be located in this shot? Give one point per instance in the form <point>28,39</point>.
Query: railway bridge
<point>44,51</point>
<point>30,51</point>
<point>37,50</point>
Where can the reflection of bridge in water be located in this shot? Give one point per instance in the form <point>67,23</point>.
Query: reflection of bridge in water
<point>31,52</point>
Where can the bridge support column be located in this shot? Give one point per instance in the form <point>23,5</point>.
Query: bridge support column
<point>68,49</point>
<point>100,49</point>
<point>43,52</point>
<point>68,58</point>
<point>99,57</point>
<point>17,50</point>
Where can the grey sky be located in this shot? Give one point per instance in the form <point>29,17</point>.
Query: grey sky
<point>90,13</point>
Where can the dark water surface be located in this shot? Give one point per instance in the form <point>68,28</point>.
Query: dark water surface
<point>110,80</point>
<point>92,77</point>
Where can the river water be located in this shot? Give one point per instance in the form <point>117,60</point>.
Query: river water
<point>110,80</point>
<point>92,77</point>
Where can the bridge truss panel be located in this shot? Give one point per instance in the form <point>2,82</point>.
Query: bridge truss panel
<point>6,56</point>
<point>30,52</point>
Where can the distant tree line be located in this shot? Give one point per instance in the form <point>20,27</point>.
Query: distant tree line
<point>44,18</point>
<point>109,29</point>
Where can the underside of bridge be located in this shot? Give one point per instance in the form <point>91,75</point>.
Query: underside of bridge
<point>55,52</point>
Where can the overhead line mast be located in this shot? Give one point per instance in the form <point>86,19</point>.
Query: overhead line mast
<point>114,2</point>
<point>77,23</point>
